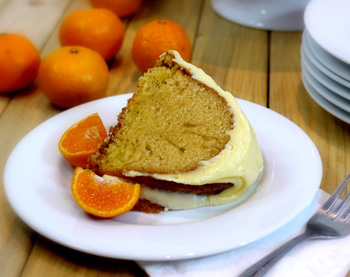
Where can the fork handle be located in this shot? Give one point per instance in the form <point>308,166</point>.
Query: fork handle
<point>261,267</point>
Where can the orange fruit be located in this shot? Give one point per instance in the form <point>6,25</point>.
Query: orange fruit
<point>19,62</point>
<point>121,8</point>
<point>82,140</point>
<point>98,29</point>
<point>73,75</point>
<point>103,196</point>
<point>155,38</point>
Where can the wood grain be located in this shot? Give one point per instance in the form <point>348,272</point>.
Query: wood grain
<point>33,18</point>
<point>3,2</point>
<point>20,112</point>
<point>236,57</point>
<point>289,98</point>
<point>50,259</point>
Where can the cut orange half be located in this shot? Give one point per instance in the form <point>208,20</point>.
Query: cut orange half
<point>82,140</point>
<point>105,196</point>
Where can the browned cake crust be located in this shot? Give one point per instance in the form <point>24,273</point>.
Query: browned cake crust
<point>146,206</point>
<point>170,125</point>
<point>178,187</point>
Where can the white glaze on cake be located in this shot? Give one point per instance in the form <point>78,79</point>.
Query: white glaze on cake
<point>239,163</point>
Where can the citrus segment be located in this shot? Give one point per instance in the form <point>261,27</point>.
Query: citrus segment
<point>103,196</point>
<point>82,140</point>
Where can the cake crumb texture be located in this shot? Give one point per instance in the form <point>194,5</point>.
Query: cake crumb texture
<point>170,125</point>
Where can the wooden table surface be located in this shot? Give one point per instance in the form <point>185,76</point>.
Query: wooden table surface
<point>255,65</point>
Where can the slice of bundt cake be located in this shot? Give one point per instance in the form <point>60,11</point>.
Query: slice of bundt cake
<point>183,138</point>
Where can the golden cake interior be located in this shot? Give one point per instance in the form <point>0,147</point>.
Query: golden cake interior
<point>170,125</point>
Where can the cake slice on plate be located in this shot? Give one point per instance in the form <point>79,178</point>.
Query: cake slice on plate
<point>183,138</point>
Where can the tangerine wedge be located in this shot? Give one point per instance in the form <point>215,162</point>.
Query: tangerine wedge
<point>105,196</point>
<point>82,140</point>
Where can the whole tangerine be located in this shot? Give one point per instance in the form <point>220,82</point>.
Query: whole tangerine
<point>19,62</point>
<point>73,75</point>
<point>155,38</point>
<point>98,29</point>
<point>121,8</point>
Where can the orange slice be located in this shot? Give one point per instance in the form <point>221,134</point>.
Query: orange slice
<point>105,196</point>
<point>82,140</point>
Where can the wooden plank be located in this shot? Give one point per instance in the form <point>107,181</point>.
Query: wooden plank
<point>235,56</point>
<point>4,101</point>
<point>3,2</point>
<point>35,18</point>
<point>50,259</point>
<point>53,40</point>
<point>16,241</point>
<point>19,115</point>
<point>15,238</point>
<point>289,97</point>
<point>285,77</point>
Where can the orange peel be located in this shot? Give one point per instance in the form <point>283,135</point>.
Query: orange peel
<point>104,196</point>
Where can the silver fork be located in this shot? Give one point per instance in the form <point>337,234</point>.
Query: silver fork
<point>331,221</point>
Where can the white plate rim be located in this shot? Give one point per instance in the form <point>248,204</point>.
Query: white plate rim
<point>323,79</point>
<point>313,59</point>
<point>328,23</point>
<point>324,103</point>
<point>337,66</point>
<point>263,15</point>
<point>78,231</point>
<point>329,95</point>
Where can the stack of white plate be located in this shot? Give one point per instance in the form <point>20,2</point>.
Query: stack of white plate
<point>325,55</point>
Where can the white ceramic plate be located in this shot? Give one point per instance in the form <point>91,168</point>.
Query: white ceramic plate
<point>332,63</point>
<point>313,60</point>
<point>324,103</point>
<point>323,79</point>
<point>41,197</point>
<point>277,15</point>
<point>328,22</point>
<point>335,99</point>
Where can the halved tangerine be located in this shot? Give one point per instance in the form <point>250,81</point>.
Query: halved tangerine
<point>82,140</point>
<point>105,196</point>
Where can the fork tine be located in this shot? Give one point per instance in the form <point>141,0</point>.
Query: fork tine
<point>341,206</point>
<point>346,215</point>
<point>335,195</point>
